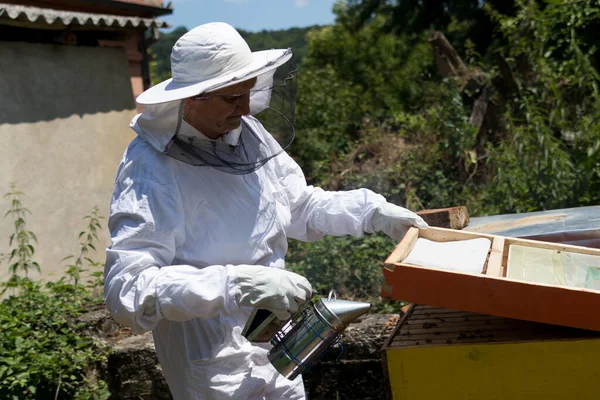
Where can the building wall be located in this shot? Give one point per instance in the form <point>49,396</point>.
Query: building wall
<point>64,118</point>
<point>135,59</point>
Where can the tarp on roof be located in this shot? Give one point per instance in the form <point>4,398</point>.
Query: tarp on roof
<point>51,16</point>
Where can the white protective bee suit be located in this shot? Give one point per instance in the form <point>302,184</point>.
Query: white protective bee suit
<point>179,234</point>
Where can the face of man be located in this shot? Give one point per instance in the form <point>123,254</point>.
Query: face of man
<point>219,112</point>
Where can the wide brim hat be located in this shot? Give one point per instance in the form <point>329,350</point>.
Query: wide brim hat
<point>210,57</point>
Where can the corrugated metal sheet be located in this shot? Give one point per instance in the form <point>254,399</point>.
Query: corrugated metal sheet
<point>50,17</point>
<point>578,226</point>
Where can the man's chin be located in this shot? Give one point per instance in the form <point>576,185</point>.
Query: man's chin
<point>234,123</point>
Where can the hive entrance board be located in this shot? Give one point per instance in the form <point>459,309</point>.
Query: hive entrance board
<point>518,278</point>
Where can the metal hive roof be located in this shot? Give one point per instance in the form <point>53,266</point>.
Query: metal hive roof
<point>51,16</point>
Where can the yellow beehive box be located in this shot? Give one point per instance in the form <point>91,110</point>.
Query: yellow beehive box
<point>440,354</point>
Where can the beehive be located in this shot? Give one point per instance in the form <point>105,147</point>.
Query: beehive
<point>436,353</point>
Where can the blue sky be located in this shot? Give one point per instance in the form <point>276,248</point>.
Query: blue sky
<point>252,15</point>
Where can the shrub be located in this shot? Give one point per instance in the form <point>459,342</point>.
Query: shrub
<point>43,353</point>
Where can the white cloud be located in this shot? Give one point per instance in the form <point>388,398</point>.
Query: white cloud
<point>301,3</point>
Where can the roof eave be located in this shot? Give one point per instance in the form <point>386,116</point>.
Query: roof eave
<point>52,17</point>
<point>133,7</point>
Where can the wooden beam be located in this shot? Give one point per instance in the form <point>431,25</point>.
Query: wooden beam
<point>451,217</point>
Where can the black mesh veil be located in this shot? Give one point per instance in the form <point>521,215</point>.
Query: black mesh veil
<point>264,134</point>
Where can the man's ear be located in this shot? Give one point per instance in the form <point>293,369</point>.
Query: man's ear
<point>187,105</point>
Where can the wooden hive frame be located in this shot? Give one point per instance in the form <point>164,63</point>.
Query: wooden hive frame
<point>489,292</point>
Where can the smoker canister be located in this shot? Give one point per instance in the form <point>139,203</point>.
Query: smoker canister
<point>304,339</point>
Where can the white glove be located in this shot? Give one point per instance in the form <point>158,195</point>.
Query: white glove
<point>277,290</point>
<point>395,221</point>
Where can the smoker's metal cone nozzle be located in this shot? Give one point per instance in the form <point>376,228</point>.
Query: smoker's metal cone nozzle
<point>345,310</point>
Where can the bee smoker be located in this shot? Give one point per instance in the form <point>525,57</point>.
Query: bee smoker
<point>301,341</point>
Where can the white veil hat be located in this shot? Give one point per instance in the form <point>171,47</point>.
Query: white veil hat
<point>210,57</point>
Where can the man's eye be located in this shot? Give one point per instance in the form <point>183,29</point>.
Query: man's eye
<point>231,99</point>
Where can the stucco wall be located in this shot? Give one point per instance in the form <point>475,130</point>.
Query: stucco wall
<point>64,115</point>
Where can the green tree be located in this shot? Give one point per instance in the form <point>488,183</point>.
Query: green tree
<point>459,20</point>
<point>552,158</point>
<point>280,39</point>
<point>349,76</point>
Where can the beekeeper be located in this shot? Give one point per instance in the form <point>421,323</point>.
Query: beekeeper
<point>204,201</point>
